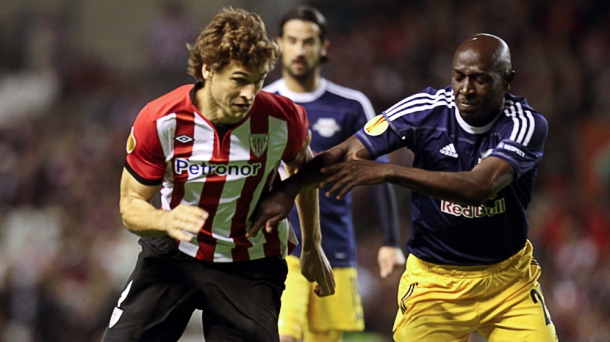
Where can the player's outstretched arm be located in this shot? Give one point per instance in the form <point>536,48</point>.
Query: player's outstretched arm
<point>469,187</point>
<point>141,218</point>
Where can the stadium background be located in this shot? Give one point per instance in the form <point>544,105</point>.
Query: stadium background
<point>74,73</point>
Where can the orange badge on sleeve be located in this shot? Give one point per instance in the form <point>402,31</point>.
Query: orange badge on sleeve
<point>131,142</point>
<point>376,125</point>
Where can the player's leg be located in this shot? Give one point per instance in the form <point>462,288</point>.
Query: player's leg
<point>242,300</point>
<point>518,312</point>
<point>329,317</point>
<point>295,301</point>
<point>434,304</point>
<point>155,305</point>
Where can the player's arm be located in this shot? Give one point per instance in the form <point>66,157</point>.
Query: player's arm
<point>470,187</point>
<point>389,256</point>
<point>314,264</point>
<point>278,203</point>
<point>142,218</point>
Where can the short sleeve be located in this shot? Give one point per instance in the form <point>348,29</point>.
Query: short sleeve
<point>145,159</point>
<point>523,142</point>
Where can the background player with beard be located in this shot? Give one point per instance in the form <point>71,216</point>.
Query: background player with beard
<point>477,149</point>
<point>212,149</point>
<point>335,113</point>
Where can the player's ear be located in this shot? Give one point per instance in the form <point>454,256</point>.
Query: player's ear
<point>325,47</point>
<point>508,78</point>
<point>206,72</point>
<point>278,41</point>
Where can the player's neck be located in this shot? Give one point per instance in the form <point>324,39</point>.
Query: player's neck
<point>306,85</point>
<point>206,105</point>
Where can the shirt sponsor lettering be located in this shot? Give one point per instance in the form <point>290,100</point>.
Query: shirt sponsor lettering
<point>202,169</point>
<point>470,211</point>
<point>512,149</point>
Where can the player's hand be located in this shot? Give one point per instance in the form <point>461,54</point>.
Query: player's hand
<point>316,268</point>
<point>389,258</point>
<point>347,175</point>
<point>270,210</point>
<point>184,219</point>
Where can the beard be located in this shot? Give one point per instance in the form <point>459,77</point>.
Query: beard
<point>305,74</point>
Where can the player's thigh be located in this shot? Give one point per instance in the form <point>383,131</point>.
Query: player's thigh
<point>153,306</point>
<point>523,315</point>
<point>341,311</point>
<point>295,301</point>
<point>432,307</point>
<point>242,300</point>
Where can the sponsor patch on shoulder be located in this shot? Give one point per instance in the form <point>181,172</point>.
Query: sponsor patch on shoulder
<point>131,142</point>
<point>376,125</point>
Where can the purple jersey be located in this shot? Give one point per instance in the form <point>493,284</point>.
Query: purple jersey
<point>429,124</point>
<point>335,113</point>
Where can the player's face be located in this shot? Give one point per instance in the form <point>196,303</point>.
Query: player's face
<point>233,88</point>
<point>479,90</point>
<point>301,48</point>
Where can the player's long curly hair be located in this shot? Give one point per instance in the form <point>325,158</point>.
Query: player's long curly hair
<point>233,34</point>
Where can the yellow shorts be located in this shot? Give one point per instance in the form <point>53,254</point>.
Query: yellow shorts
<point>503,302</point>
<point>302,309</point>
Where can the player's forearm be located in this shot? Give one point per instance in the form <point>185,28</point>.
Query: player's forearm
<point>307,203</point>
<point>459,187</point>
<point>141,218</point>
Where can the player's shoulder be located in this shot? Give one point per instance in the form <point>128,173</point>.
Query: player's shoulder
<point>422,103</point>
<point>521,123</point>
<point>517,109</point>
<point>171,102</point>
<point>277,106</point>
<point>274,101</point>
<point>345,92</point>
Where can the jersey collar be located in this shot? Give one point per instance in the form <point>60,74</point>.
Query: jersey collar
<point>472,129</point>
<point>302,97</point>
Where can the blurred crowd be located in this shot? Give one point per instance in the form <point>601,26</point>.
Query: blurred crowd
<point>65,116</point>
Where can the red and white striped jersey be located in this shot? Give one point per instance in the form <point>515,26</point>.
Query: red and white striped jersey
<point>174,145</point>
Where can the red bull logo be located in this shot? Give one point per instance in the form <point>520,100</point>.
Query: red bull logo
<point>470,211</point>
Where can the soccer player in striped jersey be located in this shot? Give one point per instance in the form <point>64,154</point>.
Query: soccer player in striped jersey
<point>213,149</point>
<point>477,150</point>
<point>335,114</point>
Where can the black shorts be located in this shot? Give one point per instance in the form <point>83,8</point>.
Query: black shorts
<point>239,301</point>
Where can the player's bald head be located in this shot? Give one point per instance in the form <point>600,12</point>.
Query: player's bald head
<point>489,49</point>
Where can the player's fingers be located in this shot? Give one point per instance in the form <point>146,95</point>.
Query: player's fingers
<point>325,288</point>
<point>337,177</point>
<point>384,269</point>
<point>253,232</point>
<point>180,235</point>
<point>340,189</point>
<point>272,225</point>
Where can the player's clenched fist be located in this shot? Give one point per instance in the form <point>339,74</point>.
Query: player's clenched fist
<point>184,219</point>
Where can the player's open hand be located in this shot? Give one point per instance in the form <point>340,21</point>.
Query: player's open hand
<point>270,210</point>
<point>184,222</point>
<point>315,267</point>
<point>347,175</point>
<point>389,258</point>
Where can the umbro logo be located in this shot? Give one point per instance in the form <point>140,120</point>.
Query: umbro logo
<point>449,150</point>
<point>183,138</point>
